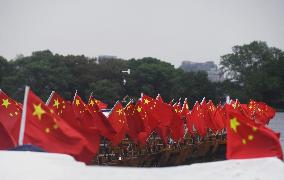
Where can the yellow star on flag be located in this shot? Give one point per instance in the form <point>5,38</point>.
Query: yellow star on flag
<point>56,103</point>
<point>234,124</point>
<point>6,102</point>
<point>77,102</point>
<point>146,101</point>
<point>38,111</point>
<point>119,111</point>
<point>92,103</point>
<point>139,109</point>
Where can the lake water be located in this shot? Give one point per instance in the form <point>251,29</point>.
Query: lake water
<point>277,124</point>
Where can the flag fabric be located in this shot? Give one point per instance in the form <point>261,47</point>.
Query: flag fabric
<point>197,118</point>
<point>185,112</point>
<point>100,120</point>
<point>83,113</point>
<point>215,116</point>
<point>247,139</point>
<point>260,111</point>
<point>158,112</point>
<point>185,109</point>
<point>177,124</point>
<point>100,104</point>
<point>117,118</point>
<point>10,115</point>
<point>207,118</point>
<point>160,116</point>
<point>47,130</point>
<point>65,110</point>
<point>140,115</point>
<point>221,111</point>
<point>6,139</point>
<point>134,122</point>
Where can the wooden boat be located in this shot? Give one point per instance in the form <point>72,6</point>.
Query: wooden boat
<point>156,154</point>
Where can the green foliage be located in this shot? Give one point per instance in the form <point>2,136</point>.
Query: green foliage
<point>254,71</point>
<point>44,71</point>
<point>257,72</point>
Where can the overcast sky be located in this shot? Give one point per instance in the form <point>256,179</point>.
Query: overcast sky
<point>171,30</point>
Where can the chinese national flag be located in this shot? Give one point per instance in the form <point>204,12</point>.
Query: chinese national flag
<point>207,119</point>
<point>260,111</point>
<point>185,108</point>
<point>135,125</point>
<point>65,110</point>
<point>100,104</point>
<point>10,115</point>
<point>6,139</point>
<point>215,116</point>
<point>140,115</point>
<point>221,111</point>
<point>177,125</point>
<point>83,113</point>
<point>197,118</point>
<point>186,114</point>
<point>158,112</point>
<point>118,120</point>
<point>163,132</point>
<point>247,139</point>
<point>45,129</point>
<point>100,120</point>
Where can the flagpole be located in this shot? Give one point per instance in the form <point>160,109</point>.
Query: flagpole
<point>185,100</point>
<point>91,95</point>
<point>75,95</point>
<point>23,119</point>
<point>49,98</point>
<point>113,107</point>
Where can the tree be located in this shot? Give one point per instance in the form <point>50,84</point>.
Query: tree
<point>256,69</point>
<point>3,67</point>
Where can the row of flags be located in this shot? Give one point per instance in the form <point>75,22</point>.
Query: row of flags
<point>75,127</point>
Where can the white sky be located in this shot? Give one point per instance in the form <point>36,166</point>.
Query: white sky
<point>171,30</point>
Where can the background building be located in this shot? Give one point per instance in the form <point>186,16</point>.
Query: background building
<point>210,67</point>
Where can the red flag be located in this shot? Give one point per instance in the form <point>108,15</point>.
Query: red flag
<point>140,114</point>
<point>207,119</point>
<point>118,120</point>
<point>100,120</point>
<point>185,112</point>
<point>10,115</point>
<point>47,130</point>
<point>215,116</point>
<point>185,108</point>
<point>197,118</point>
<point>158,112</point>
<point>177,126</point>
<point>247,139</point>
<point>221,111</point>
<point>65,110</point>
<point>6,139</point>
<point>135,125</point>
<point>261,112</point>
<point>100,104</point>
<point>163,132</point>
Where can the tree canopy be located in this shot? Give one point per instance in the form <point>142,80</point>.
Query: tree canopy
<point>253,71</point>
<point>257,72</point>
